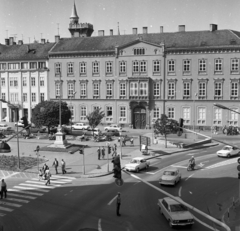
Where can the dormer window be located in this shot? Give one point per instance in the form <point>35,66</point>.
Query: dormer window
<point>139,51</point>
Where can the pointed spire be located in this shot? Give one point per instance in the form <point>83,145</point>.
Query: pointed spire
<point>74,14</point>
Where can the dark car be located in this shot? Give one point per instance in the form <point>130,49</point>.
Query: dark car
<point>112,133</point>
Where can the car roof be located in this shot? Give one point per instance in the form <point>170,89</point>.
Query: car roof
<point>170,201</point>
<point>3,125</point>
<point>227,146</point>
<point>171,169</point>
<point>138,158</point>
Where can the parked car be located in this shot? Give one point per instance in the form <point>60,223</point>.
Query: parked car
<point>171,176</point>
<point>175,213</point>
<point>228,151</point>
<point>112,133</point>
<point>114,127</point>
<point>5,127</point>
<point>80,126</point>
<point>95,131</point>
<point>136,164</point>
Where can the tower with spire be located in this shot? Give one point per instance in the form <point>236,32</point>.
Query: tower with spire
<point>79,29</point>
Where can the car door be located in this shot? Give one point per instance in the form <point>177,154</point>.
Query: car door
<point>165,208</point>
<point>234,151</point>
<point>143,163</point>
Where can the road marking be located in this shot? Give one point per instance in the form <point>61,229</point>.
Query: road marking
<point>178,166</point>
<point>38,186</point>
<point>2,214</point>
<point>29,188</point>
<point>17,200</point>
<point>111,201</point>
<point>223,163</point>
<point>6,209</point>
<point>42,183</point>
<point>22,196</point>
<point>179,191</point>
<point>5,177</point>
<point>64,177</point>
<point>99,225</point>
<point>189,177</point>
<point>53,181</point>
<point>21,190</point>
<point>10,204</point>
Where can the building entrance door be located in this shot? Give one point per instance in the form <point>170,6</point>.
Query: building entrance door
<point>139,118</point>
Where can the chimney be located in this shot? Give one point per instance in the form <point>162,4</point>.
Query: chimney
<point>43,41</point>
<point>111,32</point>
<point>28,48</point>
<point>7,41</point>
<point>134,30</point>
<point>20,42</point>
<point>145,30</point>
<point>161,29</point>
<point>11,41</point>
<point>57,38</point>
<point>213,27</point>
<point>100,32</point>
<point>181,28</point>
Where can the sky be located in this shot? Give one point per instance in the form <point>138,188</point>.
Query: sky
<point>36,19</point>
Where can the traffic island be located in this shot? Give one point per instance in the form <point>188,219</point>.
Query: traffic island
<point>71,148</point>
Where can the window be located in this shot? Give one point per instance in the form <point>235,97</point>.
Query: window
<point>41,65</point>
<point>139,51</point>
<point>139,66</point>
<point>82,68</point>
<point>171,89</point>
<point>109,67</point>
<point>171,113</point>
<point>123,114</point>
<point>156,67</point>
<point>83,113</point>
<point>186,115</point>
<point>14,97</point>
<point>83,89</point>
<point>24,97</point>
<point>143,89</point>
<point>3,95</point>
<point>143,66</point>
<point>96,89</point>
<point>186,67</point>
<point>13,66</point>
<point>3,66</point>
<point>33,81</point>
<point>202,89</point>
<point>71,108</point>
<point>3,83</point>
<point>234,66</point>
<point>41,81</point>
<point>58,68</point>
<point>171,67</point>
<point>33,97</point>
<point>202,66</point>
<point>218,89</point>
<point>24,81</point>
<point>42,97</point>
<point>109,111</point>
<point>122,89</point>
<point>109,89</point>
<point>156,89</point>
<point>135,66</point>
<point>70,69</point>
<point>218,66</point>
<point>33,65</point>
<point>201,115</point>
<point>13,81</point>
<point>217,113</point>
<point>70,90</point>
<point>133,89</point>
<point>95,67</point>
<point>233,117</point>
<point>156,113</point>
<point>123,67</point>
<point>96,107</point>
<point>234,89</point>
<point>57,90</point>
<point>186,89</point>
<point>24,65</point>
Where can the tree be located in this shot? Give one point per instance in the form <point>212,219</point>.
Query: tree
<point>46,113</point>
<point>165,126</point>
<point>94,118</point>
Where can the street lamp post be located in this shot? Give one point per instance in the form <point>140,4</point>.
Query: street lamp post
<point>120,133</point>
<point>37,153</point>
<point>73,95</point>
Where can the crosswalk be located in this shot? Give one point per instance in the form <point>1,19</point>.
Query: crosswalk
<point>31,189</point>
<point>223,163</point>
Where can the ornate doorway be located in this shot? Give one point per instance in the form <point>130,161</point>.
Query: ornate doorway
<point>139,118</point>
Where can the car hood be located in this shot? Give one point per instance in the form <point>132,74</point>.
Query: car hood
<point>223,152</point>
<point>168,177</point>
<point>131,165</point>
<point>183,215</point>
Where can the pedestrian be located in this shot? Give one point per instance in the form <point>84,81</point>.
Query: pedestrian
<point>123,141</point>
<point>44,168</point>
<point>55,164</point>
<point>63,167</point>
<point>118,203</point>
<point>40,174</point>
<point>103,152</point>
<point>3,189</point>
<point>48,176</point>
<point>99,153</point>
<point>131,140</point>
<point>115,147</point>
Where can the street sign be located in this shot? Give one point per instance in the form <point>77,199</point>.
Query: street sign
<point>145,140</point>
<point>238,167</point>
<point>119,182</point>
<point>239,160</point>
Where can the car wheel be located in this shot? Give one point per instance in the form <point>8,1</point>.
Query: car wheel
<point>137,170</point>
<point>228,156</point>
<point>170,223</point>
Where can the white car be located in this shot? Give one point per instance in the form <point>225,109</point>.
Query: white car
<point>228,151</point>
<point>5,127</point>
<point>113,127</point>
<point>171,176</point>
<point>136,164</point>
<point>175,213</point>
<point>80,126</point>
<point>95,131</point>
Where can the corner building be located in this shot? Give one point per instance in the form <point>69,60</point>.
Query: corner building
<point>135,78</point>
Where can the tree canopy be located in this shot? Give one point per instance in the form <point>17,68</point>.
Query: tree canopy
<point>94,118</point>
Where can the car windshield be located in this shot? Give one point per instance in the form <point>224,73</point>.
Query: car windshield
<point>169,173</point>
<point>177,208</point>
<point>133,161</point>
<point>226,148</point>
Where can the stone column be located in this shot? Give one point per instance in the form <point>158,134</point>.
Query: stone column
<point>130,116</point>
<point>147,117</point>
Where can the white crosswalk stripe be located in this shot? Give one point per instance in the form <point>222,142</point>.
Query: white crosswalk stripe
<point>30,190</point>
<point>223,163</point>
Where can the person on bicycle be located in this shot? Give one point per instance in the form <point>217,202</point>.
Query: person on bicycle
<point>192,161</point>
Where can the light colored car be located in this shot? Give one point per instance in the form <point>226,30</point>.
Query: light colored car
<point>228,151</point>
<point>5,127</point>
<point>175,213</point>
<point>171,176</point>
<point>136,164</point>
<point>113,127</point>
<point>95,131</point>
<point>80,126</point>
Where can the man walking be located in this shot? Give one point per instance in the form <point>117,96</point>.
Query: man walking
<point>48,176</point>
<point>63,167</point>
<point>3,189</point>
<point>118,203</point>
<point>55,164</point>
<point>103,152</point>
<point>99,153</point>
